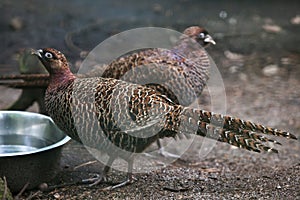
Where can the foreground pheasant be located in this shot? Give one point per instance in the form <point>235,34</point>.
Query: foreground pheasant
<point>122,118</point>
<point>182,69</point>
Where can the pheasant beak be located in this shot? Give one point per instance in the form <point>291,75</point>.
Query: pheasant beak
<point>209,39</point>
<point>37,53</point>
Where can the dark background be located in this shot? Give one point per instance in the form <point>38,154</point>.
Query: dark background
<point>253,38</point>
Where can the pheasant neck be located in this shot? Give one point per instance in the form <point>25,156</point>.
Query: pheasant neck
<point>185,46</point>
<point>58,77</point>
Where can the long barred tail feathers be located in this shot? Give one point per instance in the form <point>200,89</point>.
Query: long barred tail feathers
<point>234,131</point>
<point>232,123</point>
<point>240,138</point>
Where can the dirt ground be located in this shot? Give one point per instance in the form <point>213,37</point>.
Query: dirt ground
<point>257,54</point>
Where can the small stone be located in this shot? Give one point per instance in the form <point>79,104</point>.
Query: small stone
<point>233,56</point>
<point>285,61</point>
<point>16,23</point>
<point>223,14</point>
<point>270,70</point>
<point>56,196</point>
<point>232,21</point>
<point>278,187</point>
<point>233,69</point>
<point>43,186</point>
<point>272,28</point>
<point>296,20</point>
<point>243,77</point>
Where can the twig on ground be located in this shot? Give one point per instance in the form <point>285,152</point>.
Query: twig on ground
<point>5,188</point>
<point>85,164</point>
<point>21,191</point>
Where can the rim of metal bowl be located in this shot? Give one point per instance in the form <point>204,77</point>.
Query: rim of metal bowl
<point>52,146</point>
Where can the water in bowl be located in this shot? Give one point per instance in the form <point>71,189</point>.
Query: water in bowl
<point>15,143</point>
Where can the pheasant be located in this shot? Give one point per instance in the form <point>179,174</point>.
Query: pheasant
<point>172,69</point>
<point>122,118</point>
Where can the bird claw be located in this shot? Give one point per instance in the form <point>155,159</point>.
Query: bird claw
<point>96,179</point>
<point>128,181</point>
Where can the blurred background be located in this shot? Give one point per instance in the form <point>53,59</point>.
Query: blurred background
<point>257,53</point>
<point>257,49</point>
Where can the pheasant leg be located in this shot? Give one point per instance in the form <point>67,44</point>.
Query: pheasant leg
<point>99,178</point>
<point>130,179</point>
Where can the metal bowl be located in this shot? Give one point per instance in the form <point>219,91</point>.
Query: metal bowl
<point>30,148</point>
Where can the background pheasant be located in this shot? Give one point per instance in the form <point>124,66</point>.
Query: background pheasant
<point>106,113</point>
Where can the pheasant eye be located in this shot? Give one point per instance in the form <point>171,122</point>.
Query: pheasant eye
<point>48,55</point>
<point>201,35</point>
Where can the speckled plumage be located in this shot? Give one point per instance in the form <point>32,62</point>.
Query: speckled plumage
<point>119,107</point>
<point>180,73</point>
<point>106,113</point>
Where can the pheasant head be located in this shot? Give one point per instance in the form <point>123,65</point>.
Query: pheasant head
<point>200,35</point>
<point>54,61</point>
